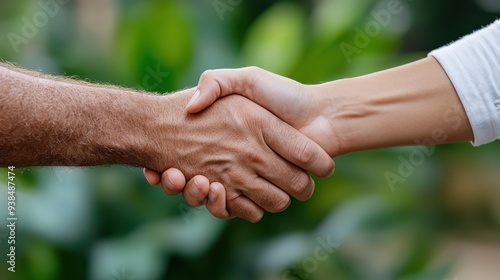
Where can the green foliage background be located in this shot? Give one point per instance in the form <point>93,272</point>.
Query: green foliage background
<point>107,223</point>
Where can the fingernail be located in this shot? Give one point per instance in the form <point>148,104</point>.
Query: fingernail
<point>144,173</point>
<point>212,196</point>
<point>170,185</point>
<point>194,191</point>
<point>194,98</point>
<point>331,173</point>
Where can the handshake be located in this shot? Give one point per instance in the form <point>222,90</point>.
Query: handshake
<point>241,155</point>
<point>247,154</point>
<point>244,156</point>
<point>251,159</point>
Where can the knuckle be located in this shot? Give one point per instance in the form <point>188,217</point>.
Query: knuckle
<point>254,121</point>
<point>208,74</point>
<point>280,204</point>
<point>250,153</point>
<point>256,217</point>
<point>300,185</point>
<point>235,176</point>
<point>236,208</point>
<point>304,152</point>
<point>251,77</point>
<point>220,214</point>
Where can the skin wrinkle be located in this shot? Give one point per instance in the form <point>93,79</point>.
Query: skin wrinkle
<point>55,121</point>
<point>405,105</point>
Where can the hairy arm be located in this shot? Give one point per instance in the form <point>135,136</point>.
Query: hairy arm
<point>49,120</point>
<point>55,121</point>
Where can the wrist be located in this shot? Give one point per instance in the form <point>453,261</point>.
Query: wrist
<point>340,106</point>
<point>126,132</point>
<point>407,105</point>
<point>363,115</point>
<point>138,128</point>
<point>165,125</point>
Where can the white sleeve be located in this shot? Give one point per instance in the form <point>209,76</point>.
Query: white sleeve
<point>473,66</point>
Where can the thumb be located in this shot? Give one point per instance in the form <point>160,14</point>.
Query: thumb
<point>214,84</point>
<point>282,96</point>
<point>152,176</point>
<point>210,88</point>
<point>206,94</point>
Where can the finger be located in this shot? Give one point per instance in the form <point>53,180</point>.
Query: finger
<point>217,201</point>
<point>297,148</point>
<point>288,179</point>
<point>173,181</point>
<point>279,175</point>
<point>280,95</point>
<point>196,191</point>
<point>268,196</point>
<point>244,208</point>
<point>152,176</point>
<point>214,84</point>
<point>203,99</point>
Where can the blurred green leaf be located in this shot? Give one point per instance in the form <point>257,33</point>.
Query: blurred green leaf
<point>275,40</point>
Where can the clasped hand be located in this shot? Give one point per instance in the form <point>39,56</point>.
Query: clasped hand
<point>279,166</point>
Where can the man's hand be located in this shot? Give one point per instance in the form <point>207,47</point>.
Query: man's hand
<point>55,121</point>
<point>252,153</point>
<point>291,101</point>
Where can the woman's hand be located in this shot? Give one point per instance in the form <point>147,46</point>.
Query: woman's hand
<point>299,105</point>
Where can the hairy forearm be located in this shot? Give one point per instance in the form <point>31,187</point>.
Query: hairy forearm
<point>414,104</point>
<point>55,121</point>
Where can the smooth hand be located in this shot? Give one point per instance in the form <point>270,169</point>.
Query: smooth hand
<point>297,104</point>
